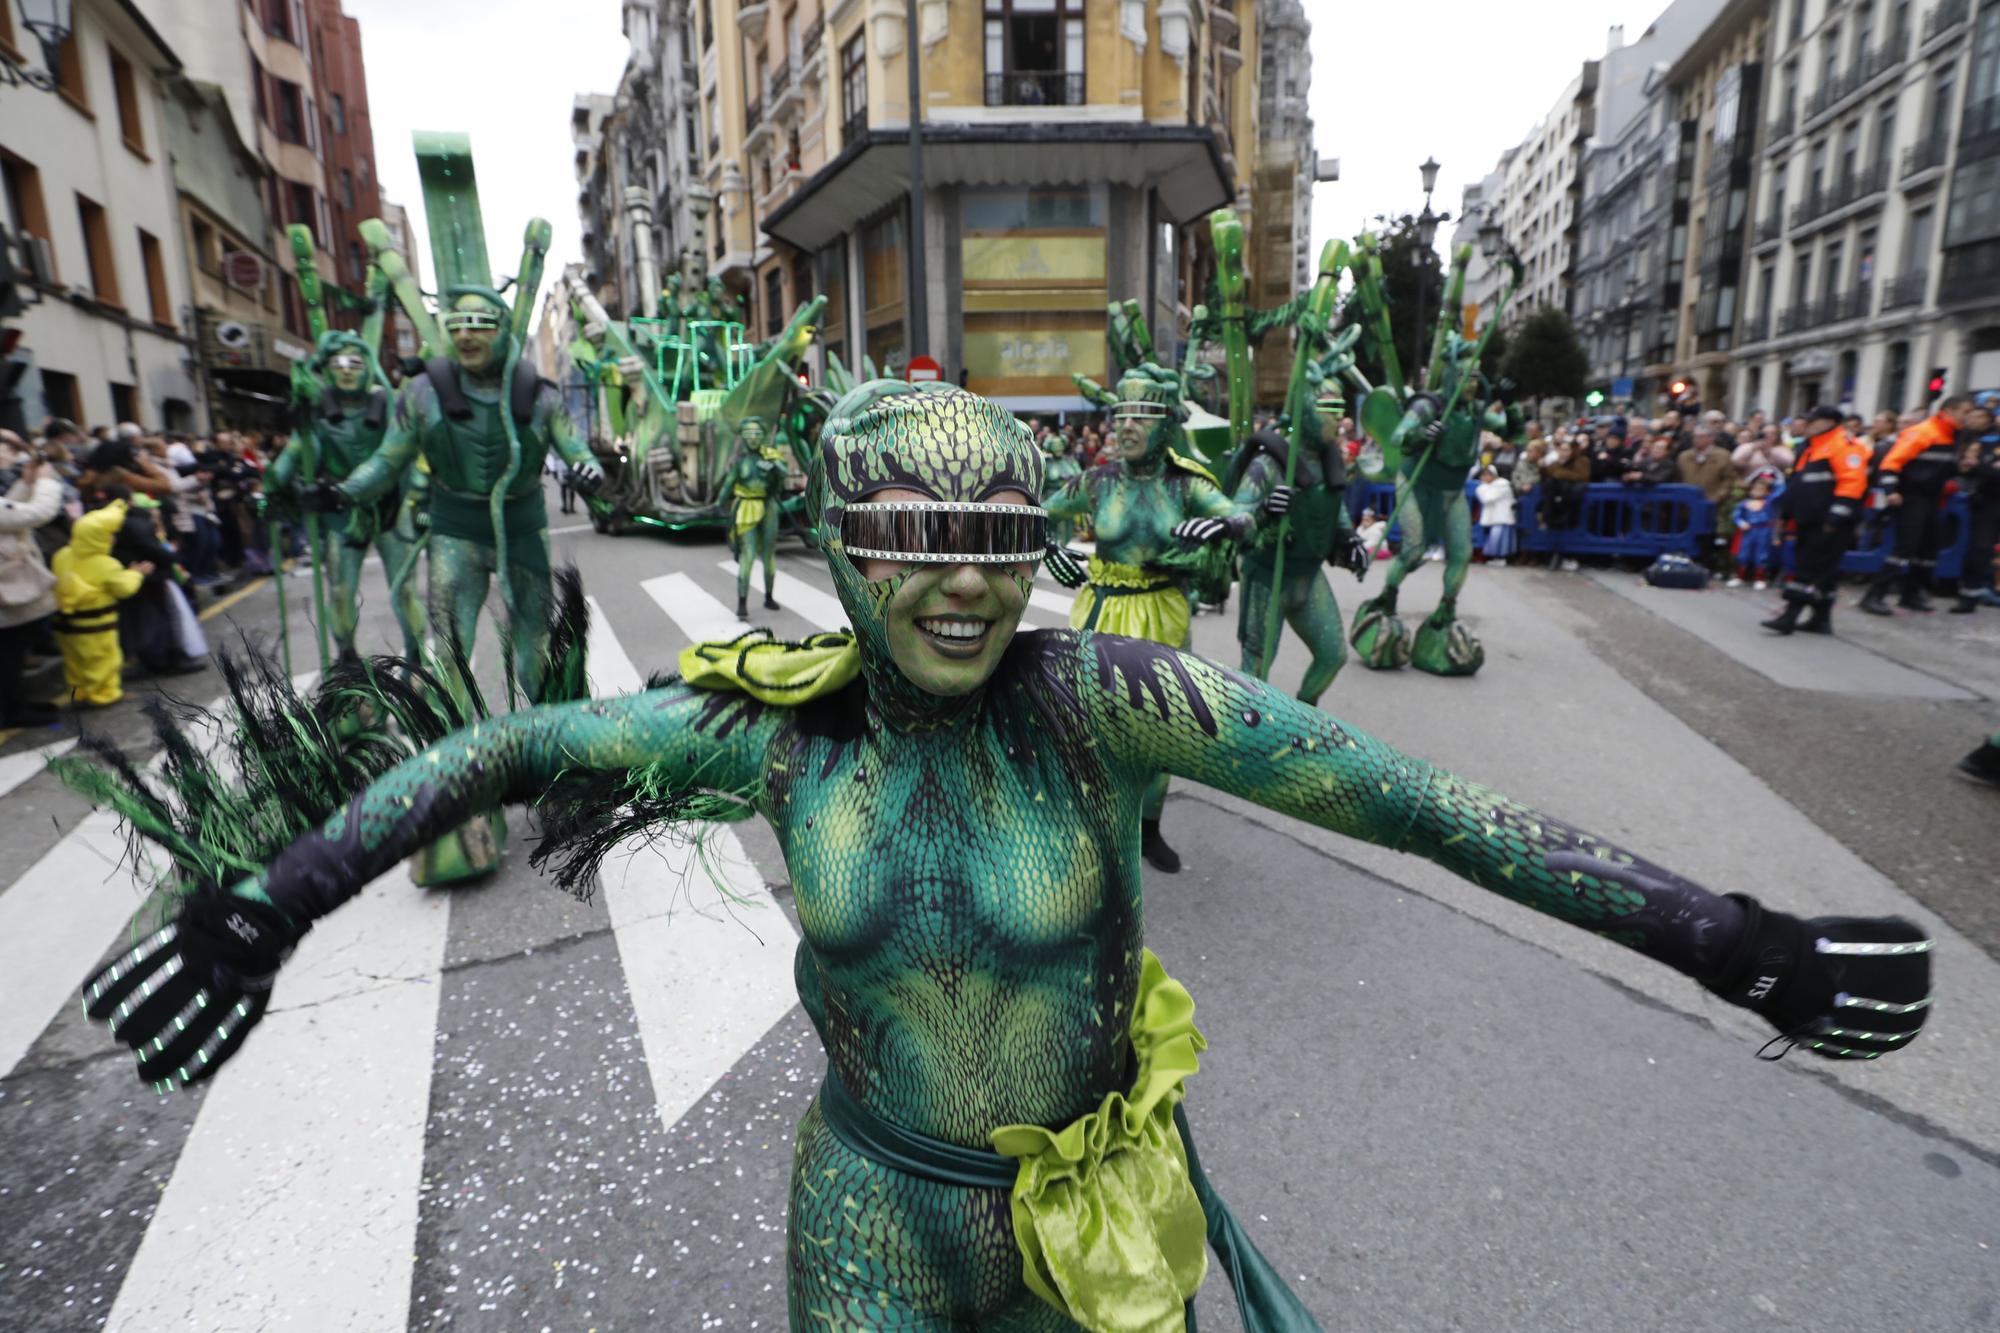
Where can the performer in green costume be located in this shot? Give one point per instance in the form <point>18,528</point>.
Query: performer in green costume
<point>1431,450</point>
<point>450,415</point>
<point>1147,507</point>
<point>1319,531</point>
<point>999,1143</point>
<point>757,488</point>
<point>1059,469</point>
<point>337,431</point>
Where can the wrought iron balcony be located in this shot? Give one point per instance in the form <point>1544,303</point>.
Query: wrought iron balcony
<point>1927,152</point>
<point>1757,328</point>
<point>1799,315</point>
<point>814,36</point>
<point>753,111</point>
<point>1771,228</point>
<point>1035,87</point>
<point>1850,304</point>
<point>1782,127</point>
<point>1948,15</point>
<point>1908,290</point>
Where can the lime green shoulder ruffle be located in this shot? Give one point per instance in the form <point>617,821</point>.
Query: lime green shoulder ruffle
<point>773,670</point>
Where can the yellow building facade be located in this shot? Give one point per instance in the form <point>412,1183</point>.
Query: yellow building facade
<point>1072,150</point>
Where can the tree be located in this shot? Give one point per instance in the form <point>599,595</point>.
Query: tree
<point>1545,359</point>
<point>1408,272</point>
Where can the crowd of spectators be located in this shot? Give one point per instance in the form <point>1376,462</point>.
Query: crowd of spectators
<point>189,527</point>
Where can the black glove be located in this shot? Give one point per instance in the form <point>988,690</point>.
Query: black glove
<point>1279,501</point>
<point>587,480</point>
<point>1845,987</point>
<point>1351,554</point>
<point>1434,431</point>
<point>1064,566</point>
<point>186,996</point>
<point>1201,531</point>
<point>326,497</point>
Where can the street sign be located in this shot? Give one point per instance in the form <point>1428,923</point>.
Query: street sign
<point>243,269</point>
<point>1621,387</point>
<point>924,368</point>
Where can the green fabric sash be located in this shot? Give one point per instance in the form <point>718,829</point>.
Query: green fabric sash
<point>1110,1211</point>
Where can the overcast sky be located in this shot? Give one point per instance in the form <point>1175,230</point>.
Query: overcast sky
<point>1392,83</point>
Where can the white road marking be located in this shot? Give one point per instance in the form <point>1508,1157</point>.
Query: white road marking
<point>1058,602</point>
<point>698,616</point>
<point>611,669</point>
<point>707,977</point>
<point>822,609</point>
<point>16,769</point>
<point>294,1201</point>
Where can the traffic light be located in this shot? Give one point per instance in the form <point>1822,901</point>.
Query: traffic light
<point>1595,398</point>
<point>1938,377</point>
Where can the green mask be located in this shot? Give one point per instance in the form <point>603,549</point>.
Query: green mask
<point>476,323</point>
<point>1147,420</point>
<point>344,358</point>
<point>933,628</point>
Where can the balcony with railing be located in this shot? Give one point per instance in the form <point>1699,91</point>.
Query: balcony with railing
<point>809,45</point>
<point>1781,127</point>
<point>1757,328</point>
<point>1949,16</point>
<point>1907,290</point>
<point>1771,228</point>
<point>1035,87</point>
<point>1850,304</point>
<point>1927,153</point>
<point>1798,316</point>
<point>785,94</point>
<point>1852,187</point>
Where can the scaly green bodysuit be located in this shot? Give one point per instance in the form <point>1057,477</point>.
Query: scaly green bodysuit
<point>336,439</point>
<point>965,859</point>
<point>1320,529</point>
<point>757,492</point>
<point>467,459</point>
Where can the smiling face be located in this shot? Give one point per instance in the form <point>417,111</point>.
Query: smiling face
<point>474,325</point>
<point>948,625</point>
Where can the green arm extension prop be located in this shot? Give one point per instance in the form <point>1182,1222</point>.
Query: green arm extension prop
<point>375,234</point>
<point>1226,230</point>
<point>307,272</point>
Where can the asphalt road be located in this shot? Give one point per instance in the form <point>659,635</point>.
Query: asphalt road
<point>499,1108</point>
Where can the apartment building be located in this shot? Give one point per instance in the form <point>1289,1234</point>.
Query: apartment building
<point>91,200</point>
<point>1282,261</point>
<point>1540,194</point>
<point>1880,148</point>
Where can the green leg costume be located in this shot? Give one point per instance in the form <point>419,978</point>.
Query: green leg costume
<point>758,545</point>
<point>344,605</point>
<point>460,574</point>
<point>1443,646</point>
<point>1309,608</point>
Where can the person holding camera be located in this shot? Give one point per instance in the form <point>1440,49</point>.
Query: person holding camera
<point>27,588</point>
<point>1823,500</point>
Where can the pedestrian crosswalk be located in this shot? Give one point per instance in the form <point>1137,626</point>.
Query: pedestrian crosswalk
<point>302,1189</point>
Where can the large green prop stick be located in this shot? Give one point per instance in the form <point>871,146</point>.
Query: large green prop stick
<point>534,248</point>
<point>1333,258</point>
<point>451,206</point>
<point>534,254</point>
<point>375,234</point>
<point>1226,231</point>
<point>1448,312</point>
<point>1368,285</point>
<point>376,286</point>
<point>307,272</point>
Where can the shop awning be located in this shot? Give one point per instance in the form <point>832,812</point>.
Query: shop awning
<point>1182,162</point>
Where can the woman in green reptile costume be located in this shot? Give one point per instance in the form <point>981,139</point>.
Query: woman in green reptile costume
<point>757,490</point>
<point>339,431</point>
<point>997,1145</point>
<point>1150,508</point>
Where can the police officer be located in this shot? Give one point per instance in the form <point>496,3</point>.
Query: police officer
<point>1912,479</point>
<point>1823,500</point>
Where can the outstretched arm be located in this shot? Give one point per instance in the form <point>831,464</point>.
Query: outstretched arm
<point>185,996</point>
<point>1845,987</point>
<point>575,450</point>
<point>381,470</point>
<point>284,473</point>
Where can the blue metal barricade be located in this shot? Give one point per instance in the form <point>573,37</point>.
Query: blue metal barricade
<point>1878,537</point>
<point>1637,521</point>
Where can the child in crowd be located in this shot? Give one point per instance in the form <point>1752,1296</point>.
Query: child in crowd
<point>1374,534</point>
<point>1755,525</point>
<point>1496,515</point>
<point>89,586</point>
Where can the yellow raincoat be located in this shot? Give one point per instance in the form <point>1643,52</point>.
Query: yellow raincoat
<point>89,586</point>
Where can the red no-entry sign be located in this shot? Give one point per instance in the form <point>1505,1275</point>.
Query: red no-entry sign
<point>924,368</point>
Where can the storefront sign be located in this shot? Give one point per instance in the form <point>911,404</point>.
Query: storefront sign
<point>1030,261</point>
<point>243,269</point>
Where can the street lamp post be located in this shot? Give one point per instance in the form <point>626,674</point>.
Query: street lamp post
<point>51,22</point>
<point>1427,225</point>
<point>918,322</point>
